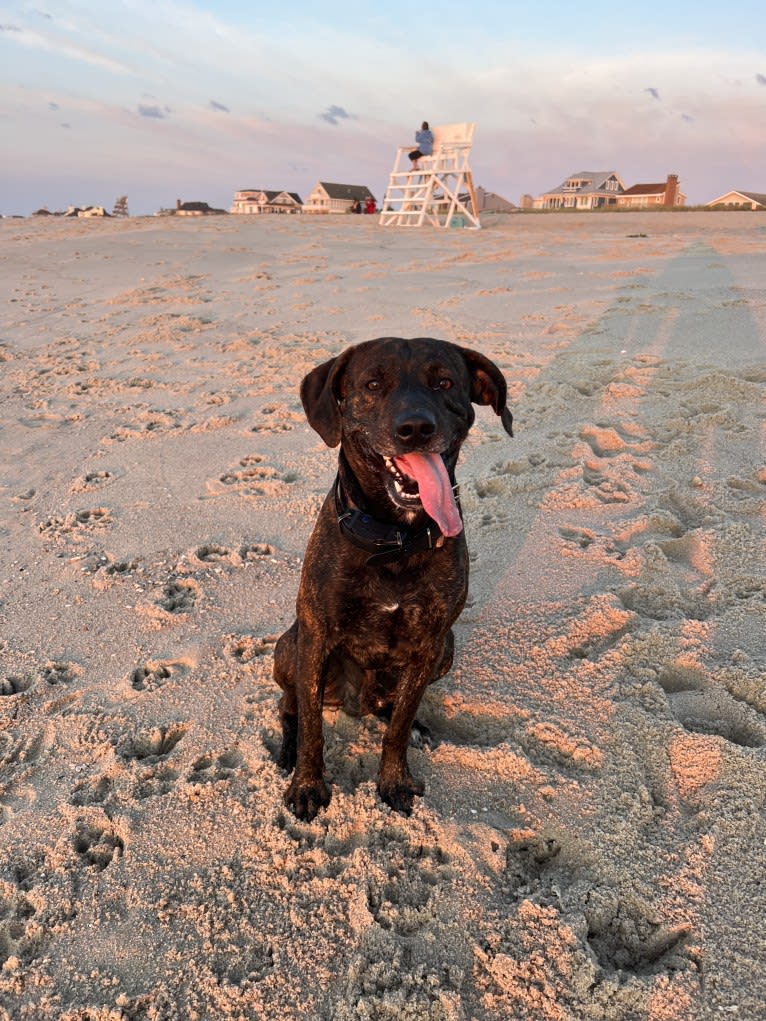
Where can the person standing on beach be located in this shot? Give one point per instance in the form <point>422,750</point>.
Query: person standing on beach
<point>425,143</point>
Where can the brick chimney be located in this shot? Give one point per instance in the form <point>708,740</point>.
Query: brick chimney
<point>178,202</point>
<point>671,190</point>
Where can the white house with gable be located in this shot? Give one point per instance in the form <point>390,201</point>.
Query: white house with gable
<point>258,200</point>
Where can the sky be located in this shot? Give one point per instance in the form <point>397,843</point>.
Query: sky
<point>188,99</point>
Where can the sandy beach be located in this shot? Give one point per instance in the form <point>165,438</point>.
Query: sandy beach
<point>592,841</point>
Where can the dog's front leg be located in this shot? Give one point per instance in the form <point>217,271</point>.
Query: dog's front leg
<point>308,792</point>
<point>396,784</point>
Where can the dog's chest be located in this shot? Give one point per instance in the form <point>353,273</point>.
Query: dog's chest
<point>387,632</point>
<point>392,618</point>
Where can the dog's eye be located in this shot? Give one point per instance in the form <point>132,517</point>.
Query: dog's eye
<point>373,384</point>
<point>445,383</point>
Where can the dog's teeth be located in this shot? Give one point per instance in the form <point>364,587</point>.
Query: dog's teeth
<point>391,467</point>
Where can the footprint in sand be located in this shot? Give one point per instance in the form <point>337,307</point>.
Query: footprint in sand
<point>92,480</point>
<point>76,525</point>
<point>15,684</point>
<point>607,485</point>
<point>256,551</point>
<point>251,477</point>
<point>97,844</point>
<point>246,648</point>
<point>19,929</point>
<point>215,556</point>
<point>623,934</point>
<point>659,597</point>
<point>716,713</point>
<point>626,937</point>
<point>212,554</point>
<point>546,743</point>
<point>122,568</point>
<point>702,706</point>
<point>146,424</point>
<point>180,596</point>
<point>249,472</point>
<point>92,792</point>
<point>580,537</point>
<point>214,768</point>
<point>156,673</point>
<point>675,579</point>
<point>405,904</point>
<point>488,519</point>
<point>60,672</point>
<point>151,745</point>
<point>25,496</point>
<point>276,418</point>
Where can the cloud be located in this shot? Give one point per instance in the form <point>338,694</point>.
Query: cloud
<point>761,79</point>
<point>153,111</point>
<point>62,47</point>
<point>219,107</point>
<point>655,93</point>
<point>334,114</point>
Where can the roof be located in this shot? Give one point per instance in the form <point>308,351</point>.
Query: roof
<point>346,191</point>
<point>271,195</point>
<point>491,202</point>
<point>595,181</point>
<point>195,207</point>
<point>646,189</point>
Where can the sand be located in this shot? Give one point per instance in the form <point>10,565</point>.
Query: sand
<point>592,842</point>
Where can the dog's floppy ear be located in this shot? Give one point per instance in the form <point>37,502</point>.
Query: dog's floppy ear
<point>488,386</point>
<point>320,395</point>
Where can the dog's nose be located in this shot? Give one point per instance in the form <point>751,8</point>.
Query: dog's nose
<point>415,427</point>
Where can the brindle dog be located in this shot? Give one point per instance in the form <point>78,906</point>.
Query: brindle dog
<point>386,568</point>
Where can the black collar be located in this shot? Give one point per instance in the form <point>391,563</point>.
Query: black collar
<point>383,541</point>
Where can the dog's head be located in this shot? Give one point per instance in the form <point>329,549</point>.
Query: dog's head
<point>401,409</point>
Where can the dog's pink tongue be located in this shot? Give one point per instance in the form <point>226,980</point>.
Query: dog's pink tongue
<point>435,489</point>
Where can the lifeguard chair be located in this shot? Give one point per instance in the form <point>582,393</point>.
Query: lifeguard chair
<point>440,191</point>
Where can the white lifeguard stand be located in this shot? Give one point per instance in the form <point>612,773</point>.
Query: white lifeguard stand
<point>440,191</point>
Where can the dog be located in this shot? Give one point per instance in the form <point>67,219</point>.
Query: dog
<point>385,573</point>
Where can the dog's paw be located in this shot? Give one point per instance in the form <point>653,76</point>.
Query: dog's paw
<point>421,736</point>
<point>305,799</point>
<point>400,794</point>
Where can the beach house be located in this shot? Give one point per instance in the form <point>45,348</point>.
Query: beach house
<point>336,198</point>
<point>195,209</point>
<point>259,201</point>
<point>739,200</point>
<point>587,189</point>
<point>491,202</point>
<point>649,196</point>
